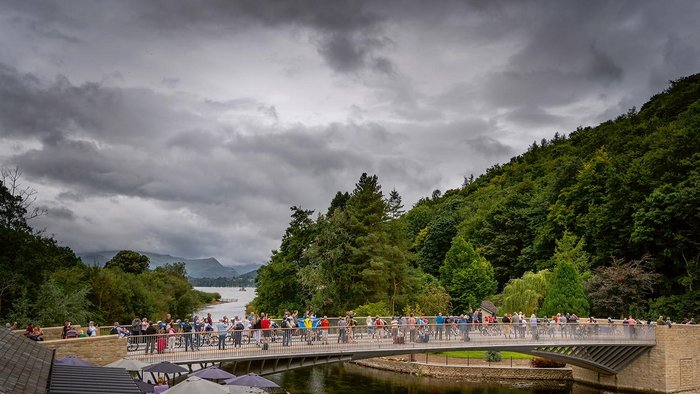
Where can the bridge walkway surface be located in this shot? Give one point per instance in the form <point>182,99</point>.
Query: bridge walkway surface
<point>603,348</point>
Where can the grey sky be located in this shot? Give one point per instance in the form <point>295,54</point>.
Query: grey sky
<point>190,127</point>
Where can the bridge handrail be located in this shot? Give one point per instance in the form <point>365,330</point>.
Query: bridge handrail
<point>495,335</point>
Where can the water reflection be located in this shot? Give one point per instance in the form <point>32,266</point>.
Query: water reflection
<point>350,378</point>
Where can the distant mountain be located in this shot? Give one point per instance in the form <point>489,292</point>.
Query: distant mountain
<point>246,268</point>
<point>196,268</point>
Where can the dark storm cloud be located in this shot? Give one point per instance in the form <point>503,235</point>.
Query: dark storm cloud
<point>61,213</point>
<point>200,122</point>
<point>348,34</point>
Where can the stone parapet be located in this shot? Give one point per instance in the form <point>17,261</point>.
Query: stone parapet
<point>100,350</point>
<point>51,333</point>
<point>672,366</point>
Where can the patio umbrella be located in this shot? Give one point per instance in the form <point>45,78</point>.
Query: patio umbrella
<point>251,380</point>
<point>128,364</point>
<point>144,386</point>
<point>196,385</point>
<point>213,373</point>
<point>164,367</point>
<point>72,360</point>
<point>245,390</point>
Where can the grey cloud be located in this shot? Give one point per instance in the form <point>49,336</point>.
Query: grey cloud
<point>488,146</point>
<point>425,93</point>
<point>59,212</point>
<point>347,31</point>
<point>269,111</point>
<point>170,82</point>
<point>532,116</point>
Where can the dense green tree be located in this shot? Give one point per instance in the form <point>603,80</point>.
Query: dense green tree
<point>54,305</point>
<point>417,219</point>
<point>339,202</point>
<point>467,276</point>
<point>277,282</point>
<point>566,293</point>
<point>129,261</point>
<point>570,248</point>
<point>436,243</point>
<point>667,226</point>
<point>394,204</point>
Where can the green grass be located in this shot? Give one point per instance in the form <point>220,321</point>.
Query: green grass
<point>478,354</point>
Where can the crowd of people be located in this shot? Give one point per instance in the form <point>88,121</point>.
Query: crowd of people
<point>161,335</point>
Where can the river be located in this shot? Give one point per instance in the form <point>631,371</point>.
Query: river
<point>349,378</point>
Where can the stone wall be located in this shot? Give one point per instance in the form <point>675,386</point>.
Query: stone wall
<point>672,366</point>
<point>482,373</point>
<point>100,350</point>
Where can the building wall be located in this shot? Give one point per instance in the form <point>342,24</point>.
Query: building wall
<point>672,366</point>
<point>100,350</point>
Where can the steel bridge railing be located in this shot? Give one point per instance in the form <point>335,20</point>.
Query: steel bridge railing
<point>187,348</point>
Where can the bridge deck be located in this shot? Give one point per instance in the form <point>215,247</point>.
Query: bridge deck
<point>600,348</point>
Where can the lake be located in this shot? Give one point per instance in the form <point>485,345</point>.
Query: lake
<point>230,309</point>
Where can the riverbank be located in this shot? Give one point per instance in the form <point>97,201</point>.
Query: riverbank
<point>477,371</point>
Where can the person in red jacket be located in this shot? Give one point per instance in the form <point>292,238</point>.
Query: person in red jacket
<point>324,329</point>
<point>265,326</point>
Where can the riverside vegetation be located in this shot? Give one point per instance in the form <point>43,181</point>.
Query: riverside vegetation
<point>604,221</point>
<point>46,284</point>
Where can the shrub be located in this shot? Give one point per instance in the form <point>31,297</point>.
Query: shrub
<point>492,356</point>
<point>539,362</point>
<point>374,309</point>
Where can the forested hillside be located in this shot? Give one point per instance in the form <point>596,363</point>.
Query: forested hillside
<point>605,220</point>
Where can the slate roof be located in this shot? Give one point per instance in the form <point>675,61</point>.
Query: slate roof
<point>71,379</point>
<point>25,366</point>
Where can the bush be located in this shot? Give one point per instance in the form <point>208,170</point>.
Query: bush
<point>374,309</point>
<point>492,356</point>
<point>539,362</point>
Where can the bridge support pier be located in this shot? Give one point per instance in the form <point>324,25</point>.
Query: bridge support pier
<point>672,366</point>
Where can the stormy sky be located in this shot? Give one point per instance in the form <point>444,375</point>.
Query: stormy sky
<point>190,127</point>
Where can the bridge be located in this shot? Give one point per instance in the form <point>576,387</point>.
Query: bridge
<point>605,349</point>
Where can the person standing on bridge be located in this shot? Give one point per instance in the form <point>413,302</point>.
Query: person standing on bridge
<point>412,327</point>
<point>562,326</point>
<point>187,335</point>
<point>308,327</point>
<point>222,330</point>
<point>342,337</point>
<point>265,324</point>
<point>256,324</point>
<point>440,325</point>
<point>533,327</point>
<point>506,325</point>
<point>286,329</point>
<point>324,329</point>
<point>150,337</point>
